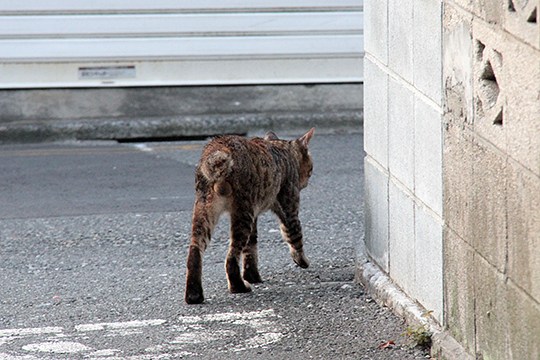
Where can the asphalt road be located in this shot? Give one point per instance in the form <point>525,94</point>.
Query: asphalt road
<point>93,242</point>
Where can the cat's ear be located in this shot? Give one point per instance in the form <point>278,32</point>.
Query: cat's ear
<point>270,136</point>
<point>304,140</point>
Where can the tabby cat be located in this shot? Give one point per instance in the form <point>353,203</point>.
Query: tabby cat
<point>246,177</point>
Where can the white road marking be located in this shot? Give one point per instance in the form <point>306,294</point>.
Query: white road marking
<point>6,356</point>
<point>267,332</point>
<point>30,331</point>
<point>143,147</point>
<point>227,317</point>
<point>183,333</point>
<point>190,319</point>
<point>104,353</point>
<point>57,347</point>
<point>260,340</point>
<point>119,325</point>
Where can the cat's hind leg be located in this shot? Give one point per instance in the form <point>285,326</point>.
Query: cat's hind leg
<point>205,217</point>
<point>241,228</point>
<point>250,258</point>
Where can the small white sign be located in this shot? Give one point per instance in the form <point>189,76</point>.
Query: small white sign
<point>107,72</point>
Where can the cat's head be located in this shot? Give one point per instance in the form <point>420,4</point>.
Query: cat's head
<point>301,151</point>
<point>306,163</point>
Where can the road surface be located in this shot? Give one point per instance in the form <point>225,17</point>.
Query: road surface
<point>93,242</point>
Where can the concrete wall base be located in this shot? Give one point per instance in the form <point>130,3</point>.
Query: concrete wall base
<point>386,293</point>
<point>168,112</point>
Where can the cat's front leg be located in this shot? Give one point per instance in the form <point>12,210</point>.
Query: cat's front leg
<point>241,226</point>
<point>250,258</point>
<point>286,209</point>
<point>291,230</point>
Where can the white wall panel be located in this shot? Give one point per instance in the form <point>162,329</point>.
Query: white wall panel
<point>176,24</point>
<point>69,35</point>
<point>192,47</point>
<point>188,72</point>
<point>103,6</point>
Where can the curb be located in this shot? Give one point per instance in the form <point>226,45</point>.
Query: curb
<point>175,127</point>
<point>386,293</point>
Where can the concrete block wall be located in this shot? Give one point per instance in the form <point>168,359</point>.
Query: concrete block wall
<point>452,141</point>
<point>403,144</point>
<point>491,176</point>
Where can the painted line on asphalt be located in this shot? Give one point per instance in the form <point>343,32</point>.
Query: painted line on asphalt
<point>181,333</point>
<point>157,147</point>
<point>69,151</point>
<point>119,325</point>
<point>60,347</point>
<point>30,331</point>
<point>142,147</point>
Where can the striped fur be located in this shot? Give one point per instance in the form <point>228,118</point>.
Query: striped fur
<point>246,177</point>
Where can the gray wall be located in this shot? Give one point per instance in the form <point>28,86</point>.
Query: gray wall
<point>491,172</point>
<point>403,144</point>
<point>452,122</point>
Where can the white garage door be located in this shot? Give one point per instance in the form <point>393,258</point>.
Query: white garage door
<point>85,43</point>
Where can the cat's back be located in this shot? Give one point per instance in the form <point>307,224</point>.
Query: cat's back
<point>226,154</point>
<point>239,148</point>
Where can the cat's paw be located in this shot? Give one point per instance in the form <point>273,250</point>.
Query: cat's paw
<point>239,287</point>
<point>252,276</point>
<point>300,259</point>
<point>194,296</point>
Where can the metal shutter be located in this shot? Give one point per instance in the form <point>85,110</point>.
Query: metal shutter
<point>81,43</point>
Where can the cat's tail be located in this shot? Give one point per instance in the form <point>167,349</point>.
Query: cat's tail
<point>216,167</point>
